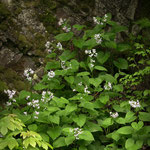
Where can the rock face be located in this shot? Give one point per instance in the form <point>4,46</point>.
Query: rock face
<point>25,26</point>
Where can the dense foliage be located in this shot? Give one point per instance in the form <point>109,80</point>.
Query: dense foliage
<point>92,96</point>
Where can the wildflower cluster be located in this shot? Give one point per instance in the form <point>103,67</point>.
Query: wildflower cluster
<point>76,132</point>
<point>10,94</point>
<point>27,73</point>
<point>46,96</point>
<point>86,90</point>
<point>98,38</point>
<point>59,46</point>
<point>64,67</point>
<point>108,86</point>
<point>91,53</point>
<point>65,27</point>
<point>34,104</point>
<point>135,104</point>
<point>97,20</point>
<point>51,74</point>
<point>114,115</point>
<point>48,46</point>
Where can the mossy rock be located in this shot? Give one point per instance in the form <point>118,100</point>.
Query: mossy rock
<point>10,75</point>
<point>51,4</point>
<point>4,26</point>
<point>4,12</point>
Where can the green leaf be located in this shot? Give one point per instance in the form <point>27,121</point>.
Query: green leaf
<point>79,27</point>
<point>32,127</point>
<point>115,136</point>
<point>118,28</point>
<point>107,122</point>
<point>137,126</point>
<point>111,44</point>
<point>80,120</point>
<point>52,55</point>
<point>118,88</point>
<point>52,65</point>
<point>121,63</point>
<point>12,143</point>
<point>129,143</point>
<point>64,36</point>
<point>120,120</point>
<point>82,148</point>
<point>55,119</point>
<point>144,116</point>
<point>4,130</point>
<point>144,22</point>
<point>40,86</point>
<point>70,108</point>
<point>67,55</point>
<point>69,140</point>
<point>95,81</point>
<point>23,94</point>
<point>78,43</point>
<point>54,132</point>
<point>104,99</point>
<point>87,136</point>
<point>3,144</point>
<point>125,130</point>
<point>101,68</point>
<point>130,117</point>
<point>90,43</point>
<point>123,47</point>
<point>103,57</point>
<point>83,74</point>
<point>92,127</point>
<point>60,142</point>
<point>69,79</point>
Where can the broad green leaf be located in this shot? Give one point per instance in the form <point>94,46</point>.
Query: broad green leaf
<point>95,81</point>
<point>130,117</point>
<point>137,126</point>
<point>144,116</point>
<point>60,142</point>
<point>125,130</point>
<point>104,99</point>
<point>52,55</point>
<point>87,105</point>
<point>23,94</point>
<point>52,65</point>
<point>115,136</point>
<point>4,130</point>
<point>67,55</point>
<point>78,43</point>
<point>79,27</point>
<point>121,63</point>
<point>87,136</point>
<point>80,120</point>
<point>70,108</point>
<point>103,57</point>
<point>118,28</point>
<point>54,132</point>
<point>54,118</point>
<point>90,43</point>
<point>32,127</point>
<point>32,141</point>
<point>3,144</point>
<point>83,74</point>
<point>12,143</point>
<point>118,88</point>
<point>101,68</point>
<point>82,148</point>
<point>107,122</point>
<point>111,44</point>
<point>120,120</point>
<point>129,143</point>
<point>69,79</point>
<point>92,127</point>
<point>40,86</point>
<point>64,36</point>
<point>108,78</point>
<point>69,140</point>
<point>123,47</point>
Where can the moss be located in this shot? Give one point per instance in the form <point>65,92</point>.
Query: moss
<point>4,12</point>
<point>3,86</point>
<point>20,85</point>
<point>10,75</point>
<point>4,26</point>
<point>51,4</point>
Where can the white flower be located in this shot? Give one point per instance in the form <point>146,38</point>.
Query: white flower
<point>76,132</point>
<point>98,38</point>
<point>47,45</point>
<point>135,104</point>
<point>59,46</point>
<point>85,90</point>
<point>108,86</point>
<point>96,20</point>
<point>36,117</point>
<point>51,74</point>
<point>10,93</point>
<point>74,90</point>
<point>61,21</point>
<point>67,29</point>
<point>114,115</point>
<point>27,73</point>
<point>8,103</point>
<point>91,65</point>
<point>36,112</point>
<point>80,83</point>
<point>47,96</point>
<point>25,113</point>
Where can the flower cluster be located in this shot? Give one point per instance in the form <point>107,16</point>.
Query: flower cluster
<point>59,46</point>
<point>36,114</point>
<point>34,104</point>
<point>51,74</point>
<point>96,21</point>
<point>27,73</point>
<point>105,18</point>
<point>65,27</point>
<point>135,104</point>
<point>114,115</point>
<point>91,53</point>
<point>46,96</point>
<point>10,94</point>
<point>98,38</point>
<point>76,132</point>
<point>108,86</point>
<point>64,67</point>
<point>86,90</point>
